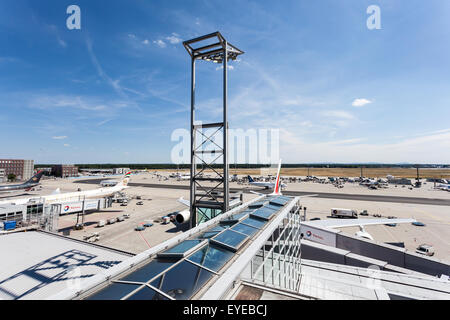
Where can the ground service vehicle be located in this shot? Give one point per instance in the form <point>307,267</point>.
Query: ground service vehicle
<point>425,249</point>
<point>343,213</point>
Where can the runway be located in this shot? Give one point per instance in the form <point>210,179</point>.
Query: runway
<point>325,195</point>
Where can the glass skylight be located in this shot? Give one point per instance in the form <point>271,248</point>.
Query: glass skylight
<point>230,239</point>
<point>182,249</point>
<point>242,228</point>
<point>196,259</point>
<point>182,281</point>
<point>115,291</point>
<point>264,213</point>
<point>280,201</point>
<point>212,232</point>
<point>254,222</point>
<point>211,257</point>
<point>147,293</point>
<point>257,204</point>
<point>148,271</point>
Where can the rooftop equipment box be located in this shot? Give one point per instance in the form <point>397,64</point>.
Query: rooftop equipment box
<point>9,225</point>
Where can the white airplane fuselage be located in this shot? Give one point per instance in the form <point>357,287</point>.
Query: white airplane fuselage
<point>74,196</point>
<point>266,185</point>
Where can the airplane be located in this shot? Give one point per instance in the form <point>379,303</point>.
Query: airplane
<point>180,176</point>
<point>108,183</point>
<point>444,187</point>
<point>368,182</point>
<point>362,233</point>
<point>57,196</point>
<point>183,177</point>
<point>27,186</point>
<point>269,185</point>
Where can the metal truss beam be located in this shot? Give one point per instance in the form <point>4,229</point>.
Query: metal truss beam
<point>208,192</point>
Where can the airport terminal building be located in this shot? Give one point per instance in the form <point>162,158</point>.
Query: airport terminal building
<point>258,251</point>
<point>64,170</point>
<point>22,169</point>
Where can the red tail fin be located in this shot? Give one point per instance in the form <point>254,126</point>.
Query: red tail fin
<point>276,190</point>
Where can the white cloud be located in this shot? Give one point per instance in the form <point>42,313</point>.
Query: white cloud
<point>360,102</point>
<point>174,38</point>
<point>340,114</point>
<point>65,101</point>
<point>59,137</point>
<point>62,43</point>
<point>160,43</point>
<point>347,141</point>
<point>104,122</point>
<point>66,145</point>
<point>306,123</point>
<point>8,59</point>
<point>101,73</point>
<point>432,148</point>
<point>146,42</point>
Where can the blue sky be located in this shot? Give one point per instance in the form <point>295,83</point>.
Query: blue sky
<point>115,90</point>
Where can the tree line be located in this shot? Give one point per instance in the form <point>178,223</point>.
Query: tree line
<point>156,166</point>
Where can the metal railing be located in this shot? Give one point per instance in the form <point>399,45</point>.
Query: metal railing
<point>278,262</point>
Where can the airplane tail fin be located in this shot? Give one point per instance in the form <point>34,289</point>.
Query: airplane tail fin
<point>277,189</point>
<point>125,179</point>
<point>36,178</point>
<point>250,179</point>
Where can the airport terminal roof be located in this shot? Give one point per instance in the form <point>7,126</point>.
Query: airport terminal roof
<point>333,281</point>
<point>183,265</point>
<point>180,271</point>
<point>37,265</point>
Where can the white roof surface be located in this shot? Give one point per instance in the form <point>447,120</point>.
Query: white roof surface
<point>331,281</point>
<point>36,265</point>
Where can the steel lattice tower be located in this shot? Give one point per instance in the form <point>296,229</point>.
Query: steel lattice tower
<point>209,196</point>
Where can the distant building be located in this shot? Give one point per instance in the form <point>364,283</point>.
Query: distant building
<point>22,169</point>
<point>2,175</point>
<point>120,170</point>
<point>65,170</point>
<point>96,171</point>
<point>47,170</point>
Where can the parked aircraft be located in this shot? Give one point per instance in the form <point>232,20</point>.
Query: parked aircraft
<point>362,233</point>
<point>78,195</point>
<point>445,187</point>
<point>269,185</point>
<point>180,176</point>
<point>27,186</point>
<point>183,177</point>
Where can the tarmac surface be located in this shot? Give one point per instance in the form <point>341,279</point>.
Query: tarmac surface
<point>325,195</point>
<point>159,195</point>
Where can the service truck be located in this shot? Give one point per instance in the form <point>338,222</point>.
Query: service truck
<point>343,213</point>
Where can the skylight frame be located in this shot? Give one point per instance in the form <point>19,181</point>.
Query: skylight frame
<point>167,254</point>
<point>232,248</point>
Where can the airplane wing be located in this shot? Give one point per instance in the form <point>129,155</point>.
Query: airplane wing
<point>340,223</point>
<point>183,201</point>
